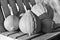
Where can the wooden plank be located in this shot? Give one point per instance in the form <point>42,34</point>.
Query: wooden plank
<point>27,37</point>
<point>46,36</point>
<point>2,37</point>
<point>22,36</point>
<point>16,35</point>
<point>19,35</point>
<point>7,33</point>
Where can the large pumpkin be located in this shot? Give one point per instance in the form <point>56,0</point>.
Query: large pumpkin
<point>28,23</point>
<point>11,23</point>
<point>48,25</point>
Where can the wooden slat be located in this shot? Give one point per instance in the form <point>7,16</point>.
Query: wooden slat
<point>46,36</point>
<point>2,37</point>
<point>27,37</point>
<point>22,36</point>
<point>7,33</point>
<point>16,35</point>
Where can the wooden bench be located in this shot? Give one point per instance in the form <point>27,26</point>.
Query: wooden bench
<point>22,36</point>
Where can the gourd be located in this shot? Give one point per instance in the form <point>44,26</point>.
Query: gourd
<point>48,25</point>
<point>38,9</point>
<point>29,23</point>
<point>11,22</point>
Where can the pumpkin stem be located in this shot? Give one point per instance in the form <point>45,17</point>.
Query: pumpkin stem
<point>3,12</point>
<point>10,9</point>
<point>30,5</point>
<point>25,8</point>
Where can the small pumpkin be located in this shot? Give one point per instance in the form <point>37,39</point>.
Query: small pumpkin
<point>11,23</point>
<point>28,23</point>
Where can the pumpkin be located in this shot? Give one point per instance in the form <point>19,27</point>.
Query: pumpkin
<point>28,23</point>
<point>11,23</point>
<point>48,25</point>
<point>38,9</point>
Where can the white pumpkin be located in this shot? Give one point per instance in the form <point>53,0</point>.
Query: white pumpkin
<point>11,23</point>
<point>28,23</point>
<point>38,9</point>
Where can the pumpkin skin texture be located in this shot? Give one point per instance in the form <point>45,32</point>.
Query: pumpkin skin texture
<point>28,24</point>
<point>47,25</point>
<point>38,9</point>
<point>11,23</point>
